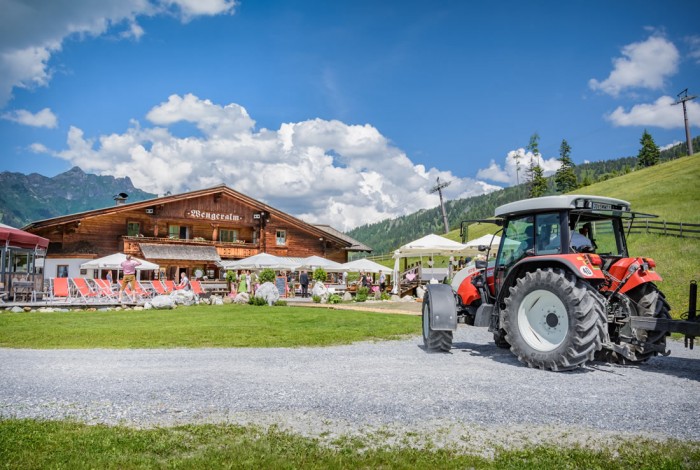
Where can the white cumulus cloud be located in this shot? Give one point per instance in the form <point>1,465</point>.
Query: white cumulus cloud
<point>44,118</point>
<point>694,48</point>
<point>645,64</point>
<point>514,168</point>
<point>322,171</point>
<point>661,113</point>
<point>31,31</point>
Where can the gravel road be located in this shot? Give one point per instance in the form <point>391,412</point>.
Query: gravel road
<point>475,395</point>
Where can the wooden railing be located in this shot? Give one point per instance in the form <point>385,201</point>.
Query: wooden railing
<point>238,249</point>
<point>662,227</point>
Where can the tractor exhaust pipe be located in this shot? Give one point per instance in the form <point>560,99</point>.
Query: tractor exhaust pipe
<point>692,309</point>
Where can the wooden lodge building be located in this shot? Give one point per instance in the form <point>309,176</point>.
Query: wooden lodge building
<point>187,232</point>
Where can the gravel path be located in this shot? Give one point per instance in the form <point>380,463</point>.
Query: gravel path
<point>476,395</point>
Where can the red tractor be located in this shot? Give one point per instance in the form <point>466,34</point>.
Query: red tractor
<point>562,289</point>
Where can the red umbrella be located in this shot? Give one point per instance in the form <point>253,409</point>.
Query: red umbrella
<point>20,239</point>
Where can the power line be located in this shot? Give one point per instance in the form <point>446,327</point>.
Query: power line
<point>438,187</point>
<point>682,100</point>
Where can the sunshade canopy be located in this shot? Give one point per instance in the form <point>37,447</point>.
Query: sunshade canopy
<point>262,261</point>
<point>313,262</point>
<point>365,265</point>
<point>17,238</point>
<point>430,245</point>
<point>115,262</point>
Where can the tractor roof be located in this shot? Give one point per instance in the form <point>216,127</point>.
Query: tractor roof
<point>564,202</point>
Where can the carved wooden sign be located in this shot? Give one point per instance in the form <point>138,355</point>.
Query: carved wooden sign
<point>206,215</point>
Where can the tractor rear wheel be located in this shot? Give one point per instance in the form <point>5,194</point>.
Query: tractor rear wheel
<point>554,320</point>
<point>434,340</point>
<point>639,345</point>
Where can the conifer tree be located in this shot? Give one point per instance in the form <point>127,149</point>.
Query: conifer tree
<point>649,153</point>
<point>565,177</point>
<point>537,183</point>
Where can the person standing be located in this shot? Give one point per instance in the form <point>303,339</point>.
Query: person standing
<point>129,276</point>
<point>184,282</point>
<point>304,282</point>
<point>243,282</point>
<point>382,281</point>
<point>109,278</point>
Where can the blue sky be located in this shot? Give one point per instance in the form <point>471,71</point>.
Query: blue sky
<point>338,112</point>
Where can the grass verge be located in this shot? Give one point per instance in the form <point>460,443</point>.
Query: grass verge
<point>226,326</point>
<point>60,444</point>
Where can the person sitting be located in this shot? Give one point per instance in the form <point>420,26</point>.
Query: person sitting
<point>580,241</point>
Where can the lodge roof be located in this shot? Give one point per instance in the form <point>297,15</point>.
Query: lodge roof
<point>354,244</point>
<point>319,230</point>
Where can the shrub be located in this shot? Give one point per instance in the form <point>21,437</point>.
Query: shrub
<point>267,275</point>
<point>280,303</point>
<point>334,299</point>
<point>316,298</point>
<point>362,293</point>
<point>385,296</point>
<point>231,276</point>
<point>257,301</point>
<point>320,275</point>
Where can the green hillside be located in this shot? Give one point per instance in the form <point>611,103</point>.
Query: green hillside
<point>671,191</point>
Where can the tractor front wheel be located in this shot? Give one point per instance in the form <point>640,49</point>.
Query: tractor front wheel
<point>434,340</point>
<point>553,320</point>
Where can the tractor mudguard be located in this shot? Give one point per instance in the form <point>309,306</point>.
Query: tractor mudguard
<point>620,269</point>
<point>483,315</point>
<point>443,308</point>
<point>577,263</point>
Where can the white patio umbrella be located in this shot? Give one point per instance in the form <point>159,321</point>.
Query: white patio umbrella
<point>115,262</point>
<point>261,261</point>
<point>365,265</point>
<point>488,240</point>
<point>429,245</point>
<point>313,262</point>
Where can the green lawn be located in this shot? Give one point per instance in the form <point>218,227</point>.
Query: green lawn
<point>201,326</point>
<point>26,444</point>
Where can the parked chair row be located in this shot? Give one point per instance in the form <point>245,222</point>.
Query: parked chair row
<point>93,291</point>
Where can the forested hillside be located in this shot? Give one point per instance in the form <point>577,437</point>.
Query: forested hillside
<point>389,234</point>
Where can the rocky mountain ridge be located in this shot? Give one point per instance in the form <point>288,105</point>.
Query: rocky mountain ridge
<point>28,198</point>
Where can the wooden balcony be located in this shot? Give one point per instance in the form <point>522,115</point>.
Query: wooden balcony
<point>226,250</point>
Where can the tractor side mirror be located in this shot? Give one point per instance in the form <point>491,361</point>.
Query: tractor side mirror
<point>480,264</point>
<point>483,247</point>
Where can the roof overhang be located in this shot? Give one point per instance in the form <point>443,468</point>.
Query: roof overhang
<point>179,252</point>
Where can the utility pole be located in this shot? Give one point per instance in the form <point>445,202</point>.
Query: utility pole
<point>682,100</point>
<point>438,188</point>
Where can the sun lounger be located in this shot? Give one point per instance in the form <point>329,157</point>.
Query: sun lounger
<point>60,289</point>
<point>84,290</point>
<point>159,288</point>
<point>105,289</point>
<point>169,286</point>
<point>197,288</point>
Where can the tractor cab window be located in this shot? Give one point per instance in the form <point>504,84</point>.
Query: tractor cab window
<point>606,236</point>
<point>605,233</point>
<point>528,236</point>
<point>519,237</point>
